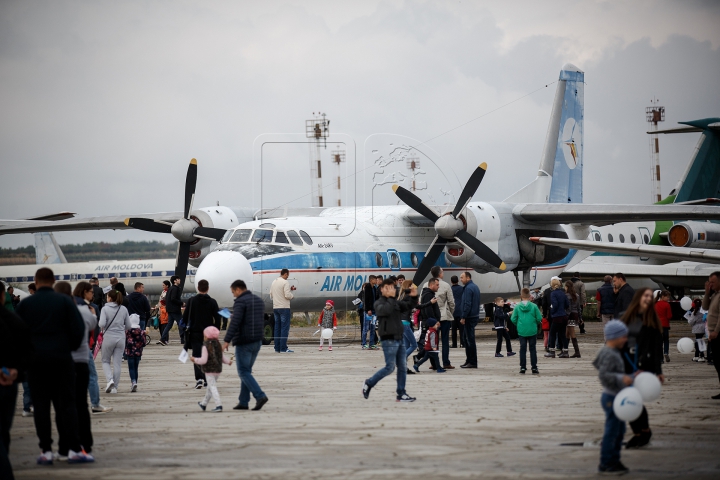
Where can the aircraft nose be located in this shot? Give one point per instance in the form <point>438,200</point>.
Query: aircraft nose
<point>221,269</point>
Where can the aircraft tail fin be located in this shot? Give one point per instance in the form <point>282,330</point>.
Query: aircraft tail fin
<point>560,175</point>
<point>47,250</point>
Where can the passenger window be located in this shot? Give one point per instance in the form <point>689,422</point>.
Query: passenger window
<point>598,238</point>
<point>622,238</point>
<point>262,236</point>
<point>646,239</point>
<point>414,259</point>
<point>394,260</point>
<point>281,238</point>
<point>378,260</point>
<point>306,237</point>
<point>610,237</point>
<point>294,237</point>
<point>632,238</point>
<point>241,236</point>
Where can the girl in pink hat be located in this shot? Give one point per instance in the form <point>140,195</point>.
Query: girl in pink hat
<point>211,360</point>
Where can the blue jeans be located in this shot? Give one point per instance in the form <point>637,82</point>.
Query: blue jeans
<point>524,342</point>
<point>470,346</point>
<point>133,364</point>
<point>445,327</point>
<point>282,328</point>
<point>172,318</point>
<point>394,351</point>
<point>245,356</point>
<point>27,401</point>
<point>93,387</point>
<point>368,328</point>
<point>614,432</point>
<point>410,343</point>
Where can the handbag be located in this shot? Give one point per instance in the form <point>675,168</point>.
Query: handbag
<point>99,341</point>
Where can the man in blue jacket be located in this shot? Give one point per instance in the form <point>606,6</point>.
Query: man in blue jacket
<point>457,291</point>
<point>245,332</point>
<point>469,318</point>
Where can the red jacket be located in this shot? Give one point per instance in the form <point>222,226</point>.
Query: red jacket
<point>664,312</point>
<point>431,341</point>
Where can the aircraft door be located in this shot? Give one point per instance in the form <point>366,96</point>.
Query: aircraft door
<point>645,237</point>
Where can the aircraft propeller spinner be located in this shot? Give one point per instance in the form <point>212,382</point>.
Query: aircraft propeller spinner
<point>186,230</point>
<point>449,227</point>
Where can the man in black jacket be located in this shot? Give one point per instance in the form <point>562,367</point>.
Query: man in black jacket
<point>98,295</point>
<point>15,351</point>
<point>201,312</point>
<point>173,307</point>
<point>623,294</point>
<point>56,329</point>
<point>390,329</point>
<point>428,309</point>
<point>139,304</point>
<point>245,332</point>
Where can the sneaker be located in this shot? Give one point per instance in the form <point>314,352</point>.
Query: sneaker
<point>441,370</point>
<point>260,402</point>
<point>405,398</point>
<point>701,360</point>
<point>550,354</point>
<point>416,368</point>
<point>60,457</point>
<point>80,457</point>
<point>617,469</point>
<point>320,349</point>
<point>109,386</point>
<point>639,441</point>
<point>113,391</point>
<point>45,458</point>
<point>198,385</point>
<point>410,372</point>
<point>535,371</point>
<point>522,371</point>
<point>205,383</point>
<point>218,409</point>
<point>27,413</point>
<point>498,355</point>
<point>202,406</point>
<point>134,387</point>
<point>695,359</point>
<point>667,358</point>
<point>366,389</point>
<point>329,349</point>
<point>289,351</point>
<point>510,354</point>
<point>364,347</point>
<point>98,409</point>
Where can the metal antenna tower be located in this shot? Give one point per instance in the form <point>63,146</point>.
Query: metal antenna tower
<point>317,128</point>
<point>413,164</point>
<point>654,115</point>
<point>338,156</point>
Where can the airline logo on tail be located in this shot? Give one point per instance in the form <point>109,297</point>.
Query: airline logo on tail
<point>571,148</point>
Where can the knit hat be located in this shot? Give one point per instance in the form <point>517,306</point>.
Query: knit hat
<point>212,333</point>
<point>330,302</point>
<point>431,322</point>
<point>615,329</point>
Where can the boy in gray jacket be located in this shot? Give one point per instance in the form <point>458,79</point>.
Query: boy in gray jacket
<point>611,371</point>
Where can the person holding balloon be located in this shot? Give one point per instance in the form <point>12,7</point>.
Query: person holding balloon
<point>643,352</point>
<point>711,303</point>
<point>696,318</point>
<point>327,321</point>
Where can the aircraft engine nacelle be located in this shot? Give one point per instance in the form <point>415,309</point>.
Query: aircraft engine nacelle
<point>695,234</point>
<point>212,217</point>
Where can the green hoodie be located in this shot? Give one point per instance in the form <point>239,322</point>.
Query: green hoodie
<point>527,317</point>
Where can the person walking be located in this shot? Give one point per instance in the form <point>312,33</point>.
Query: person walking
<point>56,329</point>
<point>579,287</point>
<point>211,361</point>
<point>134,345</point>
<point>281,294</point>
<point>559,306</point>
<point>114,322</point>
<point>173,306</point>
<point>469,318</point>
<point>408,300</point>
<point>623,295</point>
<point>711,303</point>
<point>573,313</point>
<point>245,333</point>
<point>327,319</point>
<point>664,313</point>
<point>162,311</point>
<point>457,291</point>
<point>201,312</point>
<point>643,352</point>
<point>431,351</point>
<point>138,304</point>
<point>605,297</point>
<point>98,295</point>
<point>696,320</point>
<point>446,304</point>
<point>390,329</point>
<point>428,309</point>
<point>527,318</point>
<point>15,352</point>
<point>368,326</point>
<point>500,319</point>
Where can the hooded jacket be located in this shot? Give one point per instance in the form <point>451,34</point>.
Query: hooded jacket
<point>138,303</point>
<point>527,317</point>
<point>429,310</point>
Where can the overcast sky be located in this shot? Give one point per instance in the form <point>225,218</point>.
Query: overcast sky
<point>104,103</point>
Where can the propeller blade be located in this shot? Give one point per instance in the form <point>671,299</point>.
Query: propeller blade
<point>431,256</point>
<point>148,225</point>
<point>181,261</point>
<point>206,232</point>
<point>480,249</point>
<point>190,183</point>
<point>414,202</point>
<point>470,188</point>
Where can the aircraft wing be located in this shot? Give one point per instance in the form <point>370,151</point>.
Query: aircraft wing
<point>89,223</point>
<point>642,250</point>
<point>599,215</point>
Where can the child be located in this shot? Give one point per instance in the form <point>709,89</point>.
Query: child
<point>500,318</point>
<point>211,360</point>
<point>134,344</point>
<point>527,317</point>
<point>431,347</point>
<point>611,371</point>
<point>695,317</point>
<point>327,319</point>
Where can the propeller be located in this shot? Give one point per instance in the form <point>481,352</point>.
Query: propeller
<point>186,230</point>
<point>449,227</point>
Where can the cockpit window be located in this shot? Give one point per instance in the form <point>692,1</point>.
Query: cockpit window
<point>227,236</point>
<point>306,237</point>
<point>262,236</point>
<point>294,237</point>
<point>281,238</point>
<point>241,236</point>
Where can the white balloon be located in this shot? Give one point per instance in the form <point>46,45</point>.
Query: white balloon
<point>686,303</point>
<point>327,333</point>
<point>686,345</point>
<point>628,404</point>
<point>648,385</point>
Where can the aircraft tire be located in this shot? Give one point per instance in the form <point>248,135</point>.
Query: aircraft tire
<point>268,329</point>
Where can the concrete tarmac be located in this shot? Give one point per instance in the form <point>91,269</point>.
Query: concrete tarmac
<point>491,422</point>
